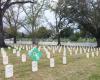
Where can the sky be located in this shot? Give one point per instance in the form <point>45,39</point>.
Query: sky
<point>48,14</point>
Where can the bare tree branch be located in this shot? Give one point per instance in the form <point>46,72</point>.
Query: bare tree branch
<point>20,2</point>
<point>8,4</point>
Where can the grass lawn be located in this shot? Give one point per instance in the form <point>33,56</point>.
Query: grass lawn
<point>78,67</point>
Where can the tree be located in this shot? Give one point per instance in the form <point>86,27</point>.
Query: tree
<point>33,14</point>
<point>84,12</point>
<point>7,35</point>
<point>59,21</point>
<point>43,33</point>
<point>67,32</point>
<point>11,19</point>
<point>75,36</point>
<point>4,6</point>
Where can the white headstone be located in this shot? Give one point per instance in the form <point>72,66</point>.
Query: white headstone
<point>60,49</point>
<point>18,53</point>
<point>39,48</point>
<point>56,48</point>
<point>87,55</point>
<point>53,50</point>
<point>48,55</point>
<point>26,47</point>
<point>93,54</point>
<point>8,71</point>
<point>19,49</point>
<point>97,53</point>
<point>23,58</point>
<point>34,66</point>
<point>70,51</point>
<point>9,48</point>
<point>76,52</point>
<point>64,60</point>
<point>23,47</point>
<point>5,60</point>
<point>84,50</point>
<point>88,50</point>
<point>31,46</point>
<point>52,63</point>
<point>3,53</point>
<point>14,51</point>
<point>80,50</point>
<point>64,51</point>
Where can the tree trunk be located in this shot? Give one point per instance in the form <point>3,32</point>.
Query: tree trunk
<point>98,42</point>
<point>14,39</point>
<point>59,42</point>
<point>2,43</point>
<point>33,39</point>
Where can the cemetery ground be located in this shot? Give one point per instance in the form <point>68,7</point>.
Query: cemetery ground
<point>78,67</point>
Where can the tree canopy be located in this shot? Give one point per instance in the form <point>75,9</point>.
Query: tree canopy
<point>84,12</point>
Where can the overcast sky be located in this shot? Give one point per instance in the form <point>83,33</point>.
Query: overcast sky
<point>48,14</point>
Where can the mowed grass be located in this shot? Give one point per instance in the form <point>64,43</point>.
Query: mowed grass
<point>78,67</point>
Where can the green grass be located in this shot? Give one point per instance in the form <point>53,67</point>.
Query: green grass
<point>78,67</point>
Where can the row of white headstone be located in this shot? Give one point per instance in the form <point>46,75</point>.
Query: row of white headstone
<point>16,50</point>
<point>54,50</point>
<point>9,67</point>
<point>26,47</point>
<point>88,51</point>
